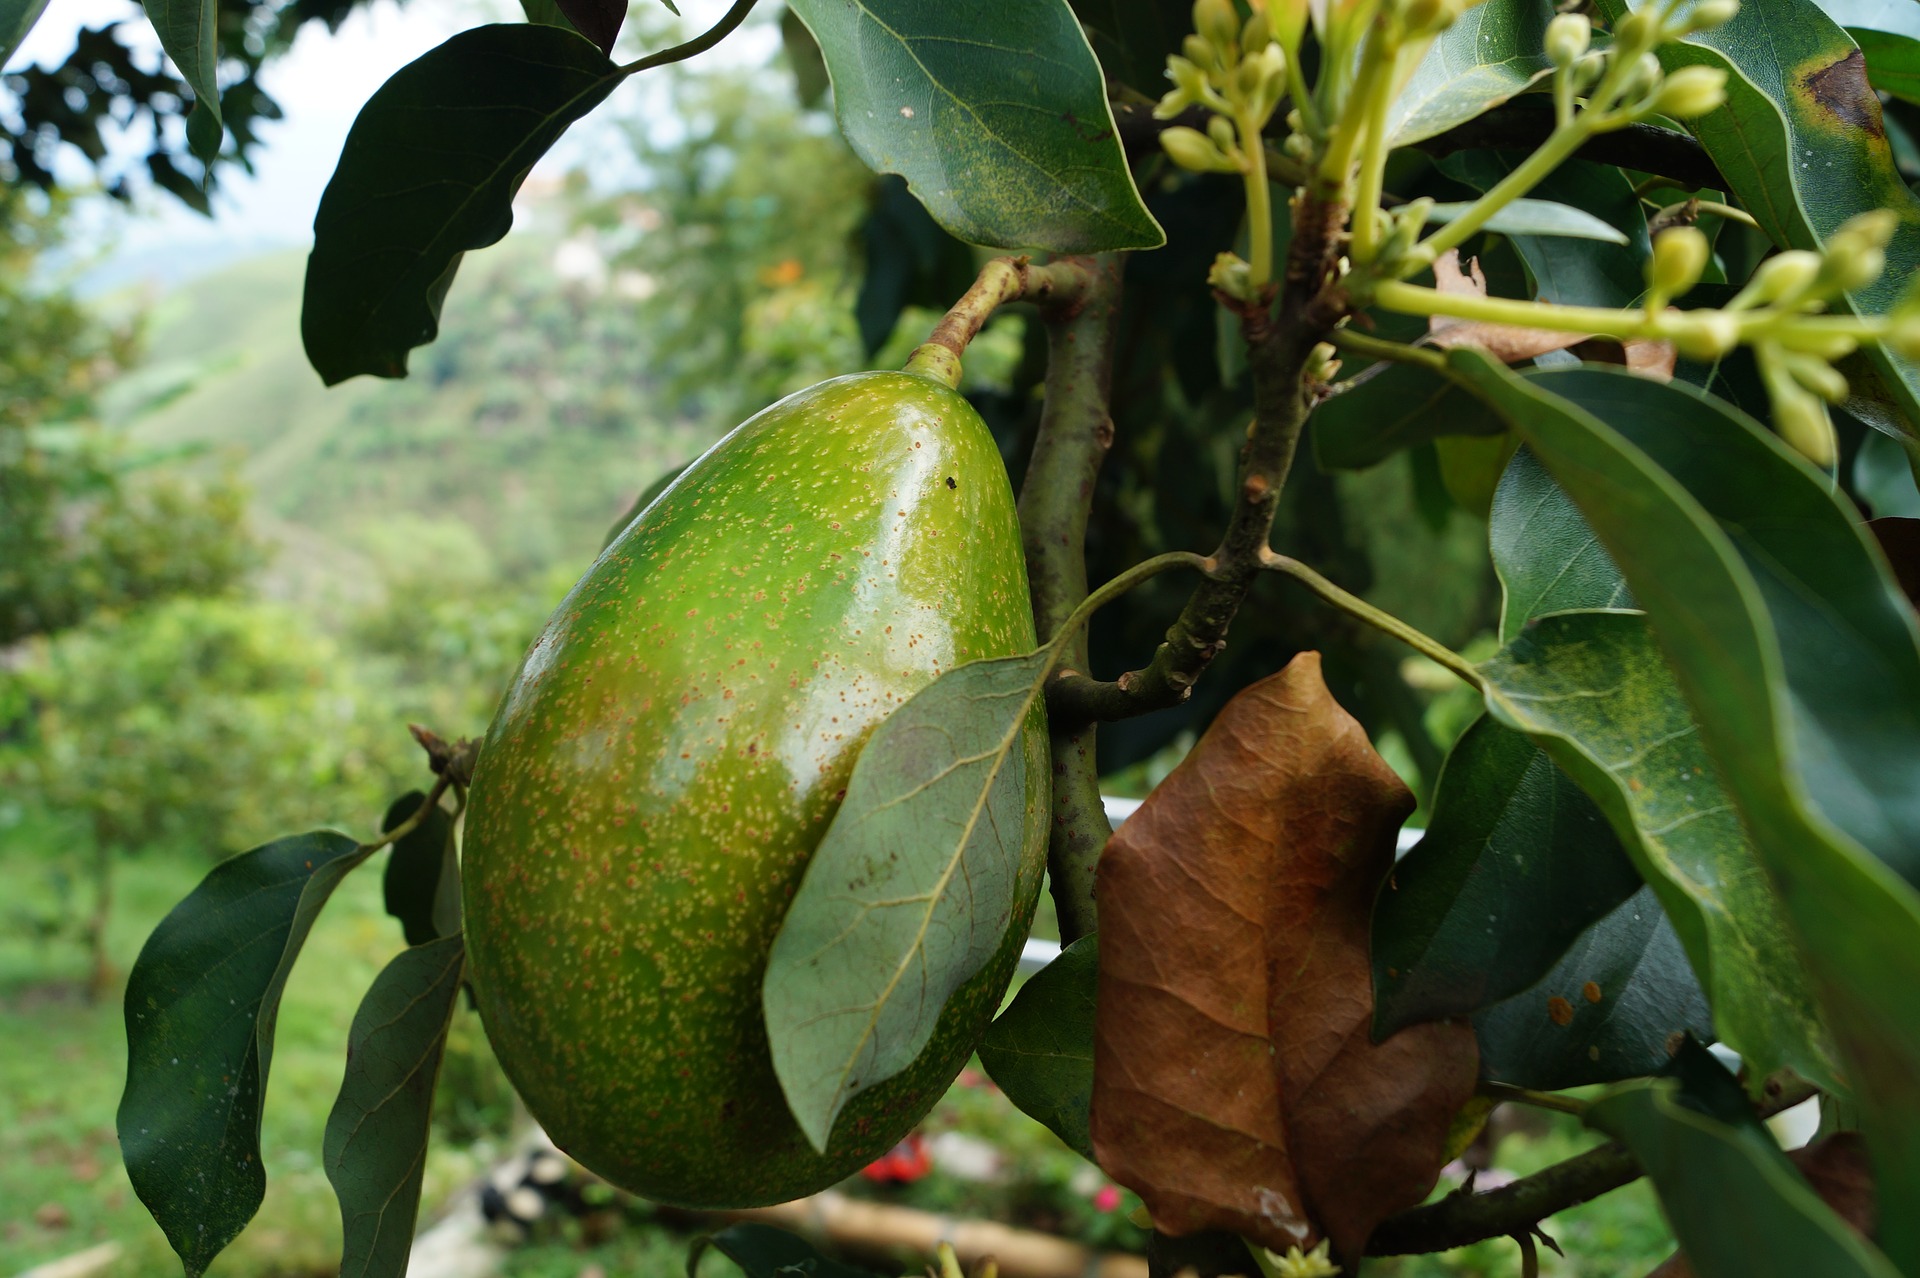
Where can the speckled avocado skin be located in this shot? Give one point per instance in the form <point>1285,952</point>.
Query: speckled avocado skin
<point>672,751</point>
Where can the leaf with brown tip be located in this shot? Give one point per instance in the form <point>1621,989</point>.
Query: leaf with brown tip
<point>1235,1084</point>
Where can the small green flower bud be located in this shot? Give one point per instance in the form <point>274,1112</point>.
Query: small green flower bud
<point>1818,376</point>
<point>1691,91</point>
<point>1568,36</point>
<point>1641,79</point>
<point>1257,34</point>
<point>1828,346</point>
<point>1707,336</point>
<point>1249,78</point>
<point>1220,129</point>
<point>1194,150</point>
<point>1200,51</point>
<point>1408,222</point>
<point>1786,276</point>
<point>1232,276</point>
<point>1874,228</point>
<point>1637,32</point>
<point>1801,418</point>
<point>1289,21</point>
<point>1851,266</point>
<point>1708,14</point>
<point>1425,16</point>
<point>1679,256</point>
<point>1905,338</point>
<point>1216,22</point>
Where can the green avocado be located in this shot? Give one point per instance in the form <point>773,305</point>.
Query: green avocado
<point>671,753</point>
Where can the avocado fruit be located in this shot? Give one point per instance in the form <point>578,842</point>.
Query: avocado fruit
<point>672,751</point>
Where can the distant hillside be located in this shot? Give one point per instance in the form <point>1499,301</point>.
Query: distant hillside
<point>529,420</point>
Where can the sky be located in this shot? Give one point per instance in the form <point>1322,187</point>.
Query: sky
<point>321,84</point>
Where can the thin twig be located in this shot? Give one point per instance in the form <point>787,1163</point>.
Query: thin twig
<point>699,44</point>
<point>1385,622</point>
<point>1528,1096</point>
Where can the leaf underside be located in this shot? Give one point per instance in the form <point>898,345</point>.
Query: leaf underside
<point>914,887</point>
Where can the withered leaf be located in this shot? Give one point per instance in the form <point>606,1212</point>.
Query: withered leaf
<point>1507,343</point>
<point>1235,1083</point>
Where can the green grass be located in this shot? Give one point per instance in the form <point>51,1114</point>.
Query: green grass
<point>62,1187</point>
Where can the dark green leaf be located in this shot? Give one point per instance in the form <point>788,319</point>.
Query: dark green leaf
<point>1738,1208</point>
<point>913,888</point>
<point>1515,864</point>
<point>1040,1050</point>
<point>376,1143</point>
<point>597,20</point>
<point>1132,38</point>
<point>545,13</point>
<point>997,117</point>
<point>810,83</point>
<point>1900,542</point>
<point>428,173</point>
<point>1627,995</point>
<point>1570,272</point>
<point>1380,409</point>
<point>1539,217</point>
<point>201,1003</point>
<point>1491,52</point>
<point>189,31</point>
<point>1802,662</point>
<point>1591,688</point>
<point>422,882</point>
<point>1802,145</point>
<point>911,261</point>
<point>16,19</point>
<point>1544,550</point>
<point>762,1251</point>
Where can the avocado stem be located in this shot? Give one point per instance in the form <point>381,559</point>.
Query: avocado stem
<point>1002,280</point>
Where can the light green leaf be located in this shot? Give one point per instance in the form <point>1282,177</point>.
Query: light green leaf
<point>1544,551</point>
<point>1538,217</point>
<point>935,852</point>
<point>996,114</point>
<point>189,31</point>
<point>376,1141</point>
<point>1040,1049</point>
<point>1801,144</point>
<point>1738,1208</point>
<point>1802,662</point>
<point>1493,51</point>
<point>201,1005</point>
<point>16,19</point>
<point>1592,690</point>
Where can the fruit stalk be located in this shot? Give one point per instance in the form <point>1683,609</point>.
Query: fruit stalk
<point>1002,280</point>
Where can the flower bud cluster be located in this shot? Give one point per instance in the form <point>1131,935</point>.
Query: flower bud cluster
<point>1238,72</point>
<point>1625,82</point>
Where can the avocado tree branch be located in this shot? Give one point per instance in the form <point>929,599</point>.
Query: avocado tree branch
<point>1280,346</point>
<point>1464,1217</point>
<point>1055,500</point>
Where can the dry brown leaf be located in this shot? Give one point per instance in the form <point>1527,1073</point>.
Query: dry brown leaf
<point>1838,1169</point>
<point>1507,343</point>
<point>1235,1083</point>
<point>1650,358</point>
